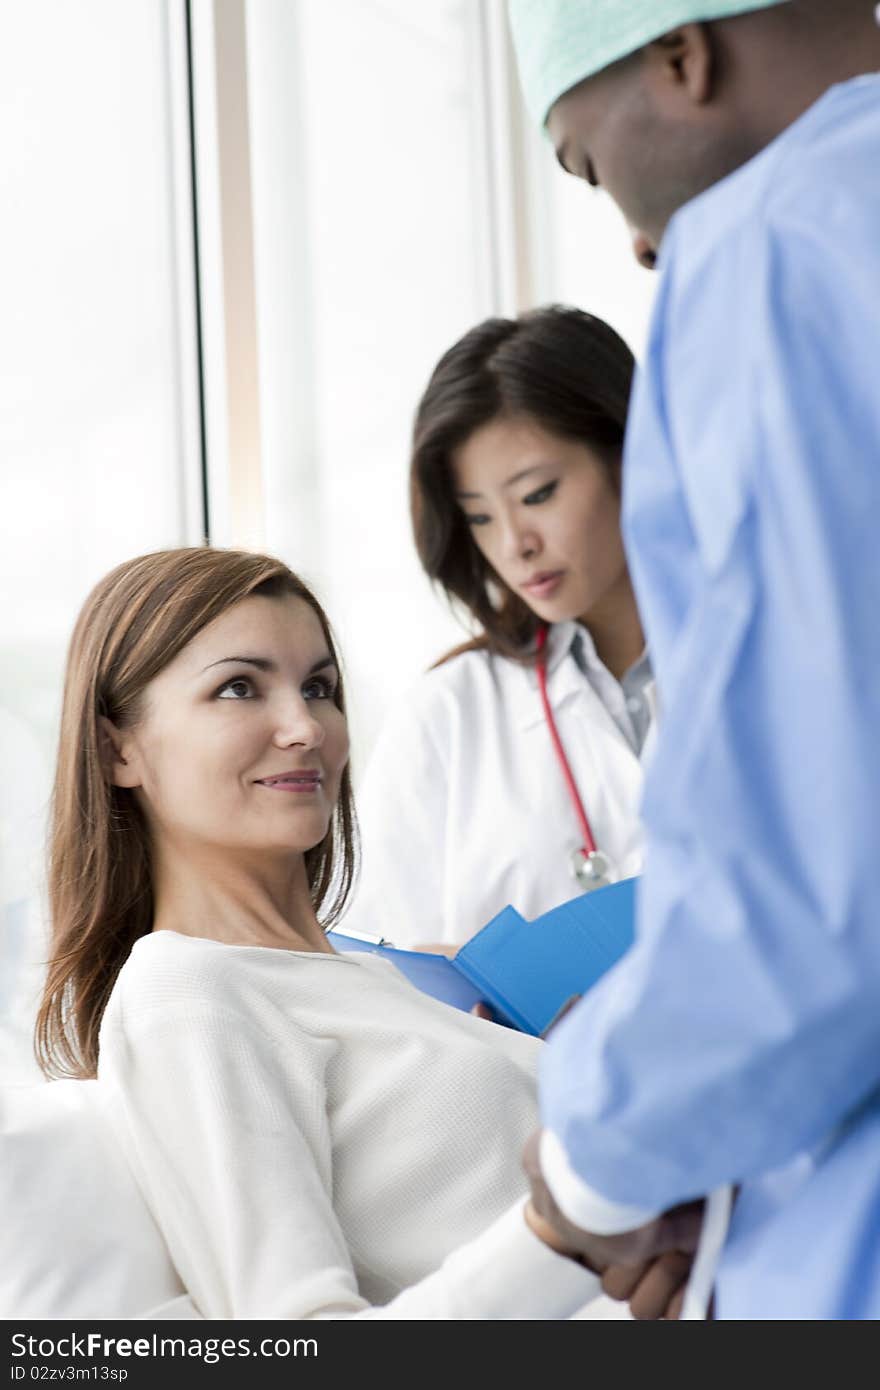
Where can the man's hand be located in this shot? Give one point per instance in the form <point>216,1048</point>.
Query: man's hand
<point>648,1266</point>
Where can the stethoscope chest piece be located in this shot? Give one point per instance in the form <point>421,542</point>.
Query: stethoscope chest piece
<point>591,869</point>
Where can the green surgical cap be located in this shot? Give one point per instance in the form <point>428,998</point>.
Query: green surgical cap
<point>560,42</point>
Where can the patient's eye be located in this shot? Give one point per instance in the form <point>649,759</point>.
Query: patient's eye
<point>239,688</point>
<point>319,688</point>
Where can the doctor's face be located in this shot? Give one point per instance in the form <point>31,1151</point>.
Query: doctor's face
<point>545,513</point>
<point>240,745</point>
<point>653,131</point>
<point>605,132</point>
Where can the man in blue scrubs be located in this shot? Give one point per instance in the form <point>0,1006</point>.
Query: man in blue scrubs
<point>739,1042</point>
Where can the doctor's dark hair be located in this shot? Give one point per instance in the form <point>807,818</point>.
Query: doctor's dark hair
<point>132,625</point>
<point>566,370</point>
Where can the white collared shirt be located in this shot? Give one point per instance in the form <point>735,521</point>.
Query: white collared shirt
<point>629,701</point>
<point>464,809</point>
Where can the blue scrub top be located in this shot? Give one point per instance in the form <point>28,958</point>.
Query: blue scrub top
<point>740,1039</point>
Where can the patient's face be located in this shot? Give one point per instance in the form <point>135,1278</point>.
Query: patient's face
<point>241,745</point>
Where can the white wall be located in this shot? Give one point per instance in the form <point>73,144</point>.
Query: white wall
<point>95,379</point>
<point>395,257</point>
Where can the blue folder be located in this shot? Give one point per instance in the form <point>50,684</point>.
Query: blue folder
<point>525,970</point>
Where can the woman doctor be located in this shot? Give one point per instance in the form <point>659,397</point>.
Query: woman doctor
<point>485,789</point>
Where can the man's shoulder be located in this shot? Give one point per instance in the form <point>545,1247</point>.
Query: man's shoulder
<point>817,172</point>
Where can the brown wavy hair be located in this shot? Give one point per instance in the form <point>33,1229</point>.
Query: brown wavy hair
<point>564,369</point>
<point>134,622</point>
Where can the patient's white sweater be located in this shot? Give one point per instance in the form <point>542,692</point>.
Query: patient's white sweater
<point>316,1138</point>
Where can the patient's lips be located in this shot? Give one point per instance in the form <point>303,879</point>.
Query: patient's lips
<point>304,780</point>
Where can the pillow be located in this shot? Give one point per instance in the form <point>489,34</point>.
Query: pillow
<point>76,1238</point>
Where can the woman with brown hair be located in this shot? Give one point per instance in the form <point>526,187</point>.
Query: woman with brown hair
<point>313,1137</point>
<point>512,772</point>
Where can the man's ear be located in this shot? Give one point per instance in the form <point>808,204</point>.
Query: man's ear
<point>684,60</point>
<point>120,768</point>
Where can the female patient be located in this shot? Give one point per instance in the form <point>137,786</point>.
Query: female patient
<point>314,1137</point>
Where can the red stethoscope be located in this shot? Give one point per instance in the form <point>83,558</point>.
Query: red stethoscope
<point>589,865</point>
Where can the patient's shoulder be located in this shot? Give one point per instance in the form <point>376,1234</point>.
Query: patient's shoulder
<point>206,998</point>
<point>173,976</point>
<point>166,967</point>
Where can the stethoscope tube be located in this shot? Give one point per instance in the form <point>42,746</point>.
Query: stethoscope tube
<point>589,865</point>
<point>589,844</point>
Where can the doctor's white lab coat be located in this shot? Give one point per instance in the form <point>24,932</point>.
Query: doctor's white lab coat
<point>464,809</point>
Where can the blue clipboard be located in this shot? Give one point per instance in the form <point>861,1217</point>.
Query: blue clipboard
<point>525,970</point>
